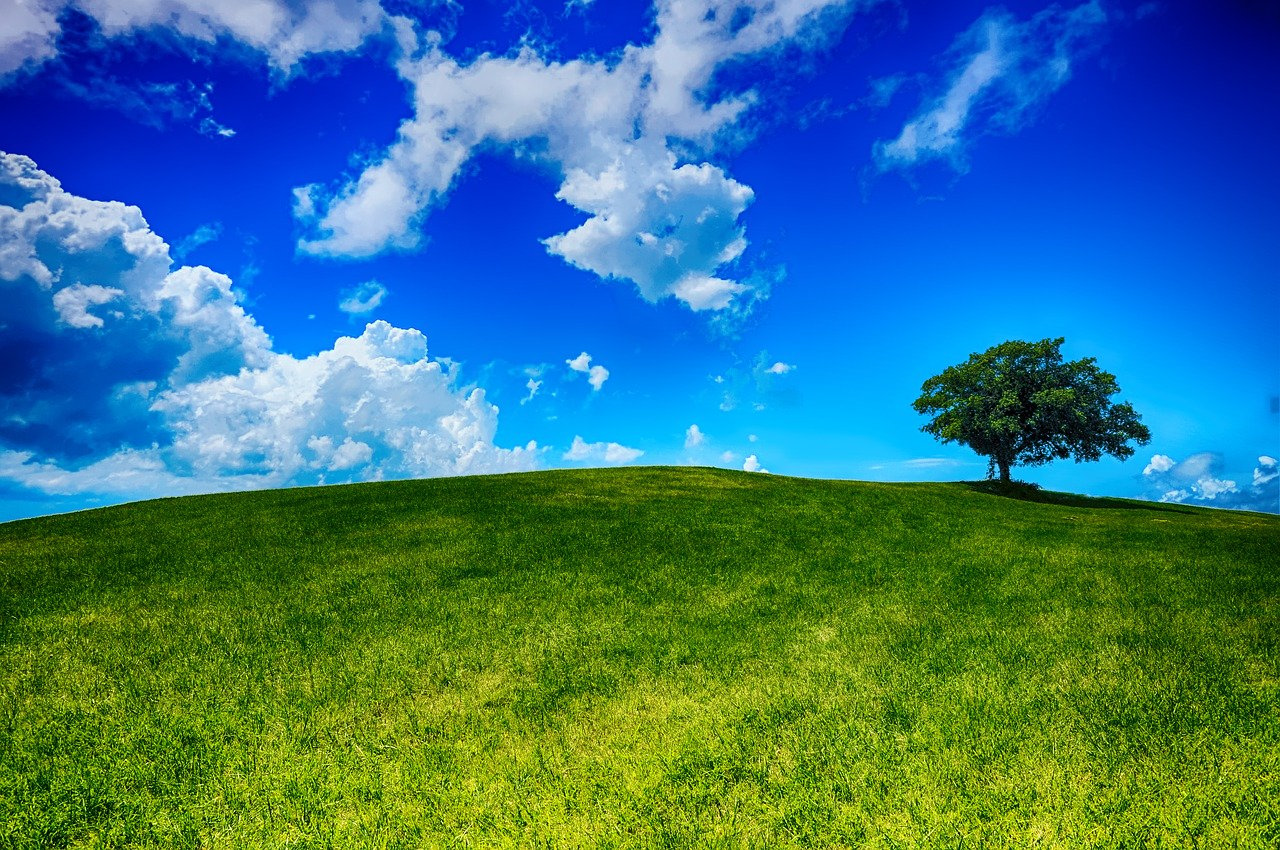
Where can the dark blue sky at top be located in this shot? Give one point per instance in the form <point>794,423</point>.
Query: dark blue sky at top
<point>1133,211</point>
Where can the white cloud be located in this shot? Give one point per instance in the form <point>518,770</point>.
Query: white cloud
<point>596,375</point>
<point>613,453</point>
<point>532,386</point>
<point>1199,480</point>
<point>621,131</point>
<point>728,457</point>
<point>154,380</point>
<point>693,437</point>
<point>28,33</point>
<point>284,31</point>
<point>1000,71</point>
<point>373,406</point>
<point>780,368</point>
<point>752,464</point>
<point>363,299</point>
<point>751,438</point>
<point>73,303</point>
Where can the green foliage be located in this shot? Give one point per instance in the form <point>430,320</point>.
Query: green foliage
<point>640,658</point>
<point>1019,404</point>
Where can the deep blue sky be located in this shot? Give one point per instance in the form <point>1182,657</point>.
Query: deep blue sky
<point>778,220</point>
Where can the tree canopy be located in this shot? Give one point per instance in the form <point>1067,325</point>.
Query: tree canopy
<point>1020,404</point>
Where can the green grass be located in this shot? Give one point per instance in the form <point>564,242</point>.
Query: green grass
<point>640,658</point>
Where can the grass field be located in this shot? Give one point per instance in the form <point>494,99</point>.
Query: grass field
<point>640,658</point>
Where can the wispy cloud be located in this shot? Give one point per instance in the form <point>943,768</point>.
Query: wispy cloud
<point>921,463</point>
<point>285,31</point>
<point>998,74</point>
<point>363,299</point>
<point>202,235</point>
<point>596,375</point>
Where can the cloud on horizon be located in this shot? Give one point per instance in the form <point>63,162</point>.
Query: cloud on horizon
<point>125,372</point>
<point>610,453</point>
<point>1199,480</point>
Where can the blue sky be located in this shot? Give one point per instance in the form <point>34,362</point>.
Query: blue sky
<point>282,243</point>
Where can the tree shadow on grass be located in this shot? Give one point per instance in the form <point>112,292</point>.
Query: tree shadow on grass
<point>1032,493</point>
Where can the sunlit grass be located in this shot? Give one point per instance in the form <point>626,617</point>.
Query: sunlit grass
<point>648,657</point>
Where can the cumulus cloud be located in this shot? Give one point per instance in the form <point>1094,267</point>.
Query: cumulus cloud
<point>780,368</point>
<point>752,464</point>
<point>612,453</point>
<point>999,72</point>
<point>284,31</point>
<point>373,406</point>
<point>128,376</point>
<point>1199,479</point>
<point>363,299</point>
<point>596,375</point>
<point>620,131</point>
<point>693,437</point>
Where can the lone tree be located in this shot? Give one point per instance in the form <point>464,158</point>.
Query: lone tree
<point>1019,404</point>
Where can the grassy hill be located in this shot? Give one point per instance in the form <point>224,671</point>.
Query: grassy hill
<point>640,658</point>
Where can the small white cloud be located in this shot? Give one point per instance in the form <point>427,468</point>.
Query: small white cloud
<point>363,299</point>
<point>728,457</point>
<point>533,387</point>
<point>210,127</point>
<point>693,437</point>
<point>596,375</point>
<point>1158,464</point>
<point>73,303</point>
<point>1212,488</point>
<point>752,464</point>
<point>613,453</point>
<point>1266,471</point>
<point>780,368</point>
<point>751,438</point>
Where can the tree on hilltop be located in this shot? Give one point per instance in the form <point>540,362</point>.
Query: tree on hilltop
<point>1019,404</point>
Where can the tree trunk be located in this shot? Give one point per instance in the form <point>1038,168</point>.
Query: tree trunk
<point>1004,470</point>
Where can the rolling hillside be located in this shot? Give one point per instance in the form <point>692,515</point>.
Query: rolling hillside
<point>651,657</point>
